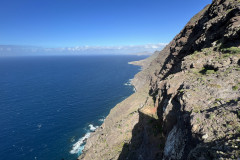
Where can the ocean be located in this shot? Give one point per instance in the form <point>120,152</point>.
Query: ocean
<point>50,105</point>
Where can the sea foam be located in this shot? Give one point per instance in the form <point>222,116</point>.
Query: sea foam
<point>101,120</point>
<point>78,147</point>
<point>129,83</point>
<point>92,128</point>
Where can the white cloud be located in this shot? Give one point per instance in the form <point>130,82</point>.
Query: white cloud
<point>127,47</point>
<point>83,50</point>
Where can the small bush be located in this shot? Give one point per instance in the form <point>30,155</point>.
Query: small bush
<point>198,120</point>
<point>237,69</point>
<point>208,69</point>
<point>181,91</point>
<point>212,116</point>
<point>226,55</point>
<point>235,88</point>
<point>238,130</point>
<point>218,99</point>
<point>231,50</point>
<point>196,110</point>
<point>210,72</point>
<point>238,114</point>
<point>215,85</point>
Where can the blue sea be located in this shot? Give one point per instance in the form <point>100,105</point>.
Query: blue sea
<point>50,105</point>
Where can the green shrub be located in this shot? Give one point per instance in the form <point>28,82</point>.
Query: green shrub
<point>218,99</point>
<point>235,88</point>
<point>238,130</point>
<point>226,55</point>
<point>212,116</point>
<point>210,72</point>
<point>238,114</point>
<point>237,69</point>
<point>231,50</point>
<point>215,85</point>
<point>198,120</point>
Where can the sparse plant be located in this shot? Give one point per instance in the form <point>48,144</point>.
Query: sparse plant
<point>226,55</point>
<point>212,116</point>
<point>198,120</point>
<point>207,70</point>
<point>210,72</point>
<point>231,50</point>
<point>235,88</point>
<point>229,126</point>
<point>215,85</point>
<point>238,130</point>
<point>181,91</point>
<point>218,99</point>
<point>196,110</point>
<point>207,51</point>
<point>238,114</point>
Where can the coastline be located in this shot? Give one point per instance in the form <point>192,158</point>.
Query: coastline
<point>118,129</point>
<point>114,123</point>
<point>80,146</point>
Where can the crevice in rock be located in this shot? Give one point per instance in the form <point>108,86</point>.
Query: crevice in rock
<point>179,138</point>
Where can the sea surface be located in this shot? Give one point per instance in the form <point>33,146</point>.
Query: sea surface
<point>50,105</point>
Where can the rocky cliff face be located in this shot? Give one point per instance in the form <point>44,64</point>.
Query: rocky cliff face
<point>187,104</point>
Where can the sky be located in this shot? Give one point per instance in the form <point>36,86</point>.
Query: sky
<point>94,23</point>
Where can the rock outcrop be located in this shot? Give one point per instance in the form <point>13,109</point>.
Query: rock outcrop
<point>187,104</point>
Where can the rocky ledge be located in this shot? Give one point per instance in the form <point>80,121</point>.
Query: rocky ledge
<point>187,104</point>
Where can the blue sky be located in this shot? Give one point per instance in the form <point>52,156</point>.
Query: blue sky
<point>74,27</point>
<point>98,23</point>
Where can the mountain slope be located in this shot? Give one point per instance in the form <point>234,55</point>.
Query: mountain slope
<point>187,104</point>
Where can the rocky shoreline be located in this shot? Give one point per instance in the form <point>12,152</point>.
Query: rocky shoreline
<point>187,100</point>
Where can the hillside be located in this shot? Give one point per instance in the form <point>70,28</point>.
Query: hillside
<point>187,104</point>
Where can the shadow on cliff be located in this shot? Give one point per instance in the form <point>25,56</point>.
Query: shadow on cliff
<point>172,138</point>
<point>223,148</point>
<point>230,103</point>
<point>182,143</point>
<point>177,128</point>
<point>150,135</point>
<point>147,140</point>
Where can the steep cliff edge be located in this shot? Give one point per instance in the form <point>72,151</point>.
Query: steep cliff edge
<point>187,104</point>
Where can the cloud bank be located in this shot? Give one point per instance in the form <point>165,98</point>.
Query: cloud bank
<point>11,50</point>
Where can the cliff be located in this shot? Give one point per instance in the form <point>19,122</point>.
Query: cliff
<point>187,104</point>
